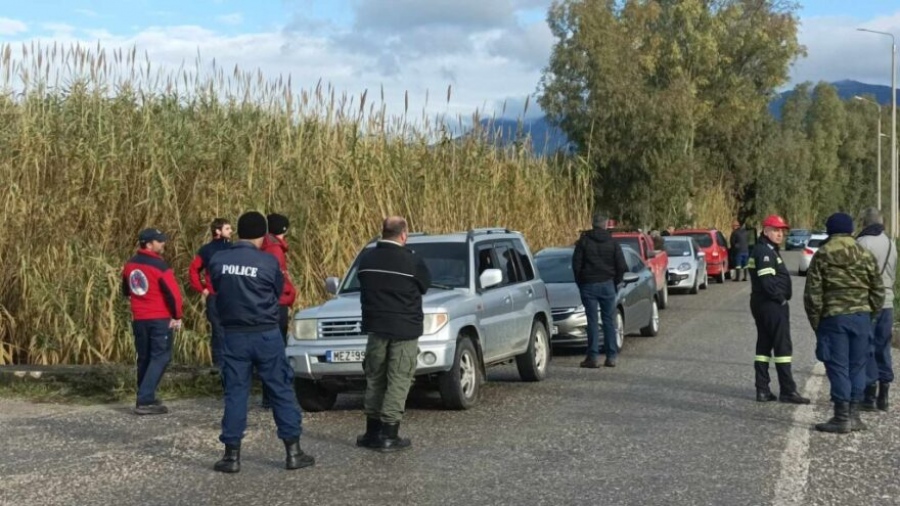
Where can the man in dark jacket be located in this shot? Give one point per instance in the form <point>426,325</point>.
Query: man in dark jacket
<point>392,281</point>
<point>740,250</point>
<point>248,283</point>
<point>599,266</point>
<point>156,311</point>
<point>276,245</point>
<point>200,281</point>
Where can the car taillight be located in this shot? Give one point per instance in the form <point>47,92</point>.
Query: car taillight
<point>715,253</point>
<point>808,251</point>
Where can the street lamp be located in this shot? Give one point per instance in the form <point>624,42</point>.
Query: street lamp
<point>880,135</point>
<point>894,227</point>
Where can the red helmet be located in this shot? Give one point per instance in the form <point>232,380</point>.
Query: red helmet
<point>775,221</point>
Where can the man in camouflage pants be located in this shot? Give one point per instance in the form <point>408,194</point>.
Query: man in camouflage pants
<point>843,295</point>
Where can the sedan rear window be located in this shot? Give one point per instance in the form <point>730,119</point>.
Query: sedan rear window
<point>555,268</point>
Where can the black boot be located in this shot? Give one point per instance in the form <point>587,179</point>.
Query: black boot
<point>765,396</point>
<point>868,403</point>
<point>856,423</point>
<point>882,401</point>
<point>840,422</point>
<point>793,398</point>
<point>296,459</point>
<point>745,273</point>
<point>231,462</point>
<point>390,441</point>
<point>737,275</point>
<point>372,437</point>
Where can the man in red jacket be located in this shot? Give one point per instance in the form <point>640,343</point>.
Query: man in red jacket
<point>275,245</point>
<point>155,298</point>
<point>200,282</point>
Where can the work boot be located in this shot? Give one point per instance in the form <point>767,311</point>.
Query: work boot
<point>296,459</point>
<point>231,462</point>
<point>840,422</point>
<point>745,273</point>
<point>156,408</point>
<point>736,275</point>
<point>793,398</point>
<point>372,437</point>
<point>590,363</point>
<point>390,441</point>
<point>856,423</point>
<point>765,396</point>
<point>882,401</point>
<point>868,403</point>
<point>610,362</point>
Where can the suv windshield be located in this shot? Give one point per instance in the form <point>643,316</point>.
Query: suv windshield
<point>556,268</point>
<point>798,232</point>
<point>703,238</point>
<point>678,248</point>
<point>447,263</point>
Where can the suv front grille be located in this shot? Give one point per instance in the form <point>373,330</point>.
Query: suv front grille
<point>561,313</point>
<point>341,329</point>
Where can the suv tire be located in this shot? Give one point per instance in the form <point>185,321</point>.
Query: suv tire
<point>532,364</point>
<point>460,385</point>
<point>312,396</point>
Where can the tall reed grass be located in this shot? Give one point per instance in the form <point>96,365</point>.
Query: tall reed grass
<point>98,144</point>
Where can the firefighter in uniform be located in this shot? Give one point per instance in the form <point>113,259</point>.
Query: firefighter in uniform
<point>770,293</point>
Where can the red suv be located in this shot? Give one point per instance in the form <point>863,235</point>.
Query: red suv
<point>714,246</point>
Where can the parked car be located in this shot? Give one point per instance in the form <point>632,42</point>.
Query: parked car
<point>714,245</point>
<point>637,303</point>
<point>687,264</point>
<point>812,245</point>
<point>656,259</point>
<point>797,238</point>
<point>486,306</point>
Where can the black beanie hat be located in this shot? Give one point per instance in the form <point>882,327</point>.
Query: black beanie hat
<point>839,223</point>
<point>278,223</point>
<point>251,225</point>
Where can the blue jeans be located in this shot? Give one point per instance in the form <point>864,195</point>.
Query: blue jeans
<point>153,344</point>
<point>879,367</point>
<point>600,297</point>
<point>241,352</point>
<point>842,343</point>
<point>741,259</point>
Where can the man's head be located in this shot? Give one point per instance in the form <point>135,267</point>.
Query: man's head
<point>394,228</point>
<point>735,225</point>
<point>872,216</point>
<point>278,224</point>
<point>252,227</point>
<point>839,223</point>
<point>774,228</point>
<point>221,228</point>
<point>670,229</point>
<point>152,239</point>
<point>601,220</point>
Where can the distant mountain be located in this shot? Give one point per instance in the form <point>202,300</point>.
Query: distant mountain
<point>547,139</point>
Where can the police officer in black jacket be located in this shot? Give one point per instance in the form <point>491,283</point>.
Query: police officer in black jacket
<point>248,283</point>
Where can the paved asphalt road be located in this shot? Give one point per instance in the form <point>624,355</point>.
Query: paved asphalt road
<point>675,423</point>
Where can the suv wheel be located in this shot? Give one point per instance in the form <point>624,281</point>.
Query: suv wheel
<point>312,396</point>
<point>652,327</point>
<point>664,297</point>
<point>460,385</point>
<point>532,364</point>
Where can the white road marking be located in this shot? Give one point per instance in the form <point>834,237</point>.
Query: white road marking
<point>790,489</point>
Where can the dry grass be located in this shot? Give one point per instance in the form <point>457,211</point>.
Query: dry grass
<point>98,145</point>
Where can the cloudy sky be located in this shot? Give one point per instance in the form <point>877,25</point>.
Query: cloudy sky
<point>489,51</point>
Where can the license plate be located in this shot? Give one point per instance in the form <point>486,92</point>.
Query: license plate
<point>555,330</point>
<point>345,356</point>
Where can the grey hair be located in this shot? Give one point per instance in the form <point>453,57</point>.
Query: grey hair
<point>872,216</point>
<point>600,220</point>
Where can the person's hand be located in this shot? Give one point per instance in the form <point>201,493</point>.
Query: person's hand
<point>205,294</point>
<point>175,324</point>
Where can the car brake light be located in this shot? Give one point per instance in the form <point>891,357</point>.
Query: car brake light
<point>808,251</point>
<point>715,253</point>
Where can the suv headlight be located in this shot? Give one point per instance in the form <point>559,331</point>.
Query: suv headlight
<point>434,322</point>
<point>306,329</point>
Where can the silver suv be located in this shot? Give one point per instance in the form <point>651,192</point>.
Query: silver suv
<point>486,306</point>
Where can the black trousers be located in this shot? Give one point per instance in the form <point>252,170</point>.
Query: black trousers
<point>773,344</point>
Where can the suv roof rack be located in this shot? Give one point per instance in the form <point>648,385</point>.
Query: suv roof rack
<point>472,232</point>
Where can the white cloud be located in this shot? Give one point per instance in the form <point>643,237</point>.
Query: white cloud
<point>232,19</point>
<point>12,26</point>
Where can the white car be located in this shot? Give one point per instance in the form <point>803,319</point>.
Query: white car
<point>809,250</point>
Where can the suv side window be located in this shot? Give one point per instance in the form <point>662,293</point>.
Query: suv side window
<point>527,270</point>
<point>507,262</point>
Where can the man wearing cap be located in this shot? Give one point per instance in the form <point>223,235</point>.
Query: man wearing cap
<point>248,284</point>
<point>844,294</point>
<point>276,245</point>
<point>155,299</point>
<point>770,292</point>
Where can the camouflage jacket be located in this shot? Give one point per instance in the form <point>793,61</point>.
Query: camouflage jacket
<point>843,278</point>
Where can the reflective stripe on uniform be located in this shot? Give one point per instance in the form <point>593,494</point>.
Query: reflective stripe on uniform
<point>782,360</point>
<point>751,264</point>
<point>762,358</point>
<point>766,272</point>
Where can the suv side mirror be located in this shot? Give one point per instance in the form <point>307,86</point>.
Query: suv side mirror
<point>490,277</point>
<point>331,284</point>
<point>630,277</point>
